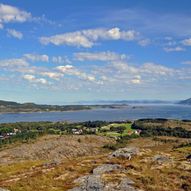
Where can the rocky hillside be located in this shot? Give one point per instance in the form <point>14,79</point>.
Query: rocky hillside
<point>55,148</point>
<point>143,164</point>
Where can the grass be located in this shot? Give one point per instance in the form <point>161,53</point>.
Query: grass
<point>17,168</point>
<point>108,132</point>
<point>141,169</point>
<point>128,129</point>
<point>56,178</point>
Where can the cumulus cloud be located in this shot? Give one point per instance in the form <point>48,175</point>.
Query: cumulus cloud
<point>60,60</point>
<point>71,39</point>
<point>188,62</point>
<point>65,69</point>
<point>144,42</point>
<point>116,72</point>
<point>121,72</point>
<point>187,42</point>
<point>87,38</point>
<point>15,62</point>
<point>52,75</point>
<point>20,65</point>
<point>37,57</point>
<point>135,81</point>
<point>12,14</point>
<point>33,79</point>
<point>15,34</point>
<point>174,49</point>
<point>71,70</point>
<point>156,69</point>
<point>121,67</point>
<point>99,56</point>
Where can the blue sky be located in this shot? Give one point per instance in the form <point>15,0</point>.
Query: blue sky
<point>67,51</point>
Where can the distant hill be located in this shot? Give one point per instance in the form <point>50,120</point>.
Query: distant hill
<point>14,107</point>
<point>10,106</point>
<point>8,103</point>
<point>126,102</point>
<point>185,102</point>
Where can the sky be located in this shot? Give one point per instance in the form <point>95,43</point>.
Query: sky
<point>70,51</point>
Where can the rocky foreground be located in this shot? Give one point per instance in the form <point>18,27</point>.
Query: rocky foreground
<point>143,164</point>
<point>99,181</point>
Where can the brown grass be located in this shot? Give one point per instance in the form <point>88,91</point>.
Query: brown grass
<point>148,175</point>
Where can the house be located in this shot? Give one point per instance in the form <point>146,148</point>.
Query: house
<point>16,130</point>
<point>77,131</point>
<point>137,132</point>
<point>92,130</point>
<point>10,134</point>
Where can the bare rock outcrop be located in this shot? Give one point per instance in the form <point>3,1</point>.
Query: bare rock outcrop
<point>161,159</point>
<point>106,168</point>
<point>95,182</point>
<point>126,153</point>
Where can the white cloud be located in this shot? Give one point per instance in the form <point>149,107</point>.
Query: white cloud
<point>136,81</point>
<point>87,38</point>
<point>52,75</point>
<point>71,70</point>
<point>188,62</point>
<point>12,14</point>
<point>187,42</point>
<point>114,33</point>
<point>65,69</point>
<point>121,72</point>
<point>115,73</point>
<point>124,67</point>
<point>60,60</point>
<point>174,49</point>
<point>15,34</point>
<point>33,79</point>
<point>71,39</point>
<point>20,65</point>
<point>99,56</point>
<point>156,69</point>
<point>37,57</point>
<point>13,62</point>
<point>1,26</point>
<point>144,42</point>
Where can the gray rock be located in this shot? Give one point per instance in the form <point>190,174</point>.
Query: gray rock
<point>161,159</point>
<point>94,181</point>
<point>111,187</point>
<point>90,183</point>
<point>126,185</point>
<point>106,168</point>
<point>126,153</point>
<point>127,181</point>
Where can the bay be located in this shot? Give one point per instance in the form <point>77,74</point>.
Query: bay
<point>125,113</point>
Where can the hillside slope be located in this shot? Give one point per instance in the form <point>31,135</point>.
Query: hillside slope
<point>185,102</point>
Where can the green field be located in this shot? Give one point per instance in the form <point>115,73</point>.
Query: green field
<point>116,130</point>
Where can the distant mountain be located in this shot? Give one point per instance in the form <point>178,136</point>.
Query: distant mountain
<point>126,102</point>
<point>185,102</point>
